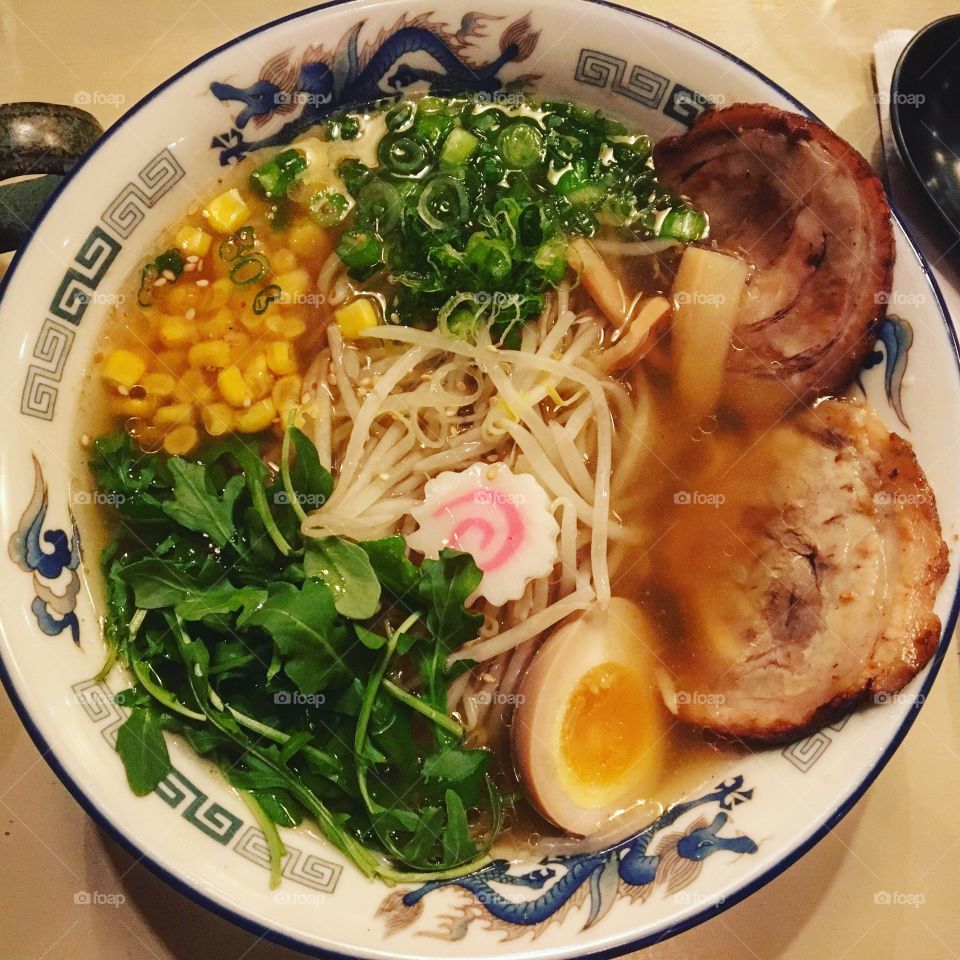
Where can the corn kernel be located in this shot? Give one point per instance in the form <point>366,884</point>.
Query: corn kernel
<point>233,388</point>
<point>123,367</point>
<point>294,284</point>
<point>176,332</point>
<point>239,346</point>
<point>133,406</point>
<point>217,419</point>
<point>182,297</point>
<point>254,321</point>
<point>181,440</point>
<point>286,394</point>
<point>289,326</point>
<point>171,361</point>
<point>356,317</point>
<point>280,358</point>
<point>219,293</point>
<point>192,240</point>
<point>228,212</point>
<point>159,385</point>
<point>209,353</point>
<point>256,417</point>
<point>193,387</point>
<point>258,377</point>
<point>282,260</point>
<point>306,239</point>
<point>218,325</point>
<point>173,414</point>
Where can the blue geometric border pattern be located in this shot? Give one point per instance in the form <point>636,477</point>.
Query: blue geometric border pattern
<point>597,68</point>
<point>82,278</point>
<point>205,814</point>
<point>307,869</point>
<point>92,261</point>
<point>803,754</point>
<point>130,206</point>
<point>209,817</point>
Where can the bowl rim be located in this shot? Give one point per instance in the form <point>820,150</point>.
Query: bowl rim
<point>664,931</point>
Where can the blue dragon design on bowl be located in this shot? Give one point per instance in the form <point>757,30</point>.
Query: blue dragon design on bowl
<point>321,81</point>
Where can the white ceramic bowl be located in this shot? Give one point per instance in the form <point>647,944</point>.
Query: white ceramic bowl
<point>710,851</point>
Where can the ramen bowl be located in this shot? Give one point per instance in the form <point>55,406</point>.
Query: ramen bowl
<point>713,846</point>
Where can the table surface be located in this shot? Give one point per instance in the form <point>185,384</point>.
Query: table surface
<point>901,838</point>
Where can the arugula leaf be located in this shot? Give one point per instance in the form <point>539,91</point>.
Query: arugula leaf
<point>444,587</point>
<point>303,624</point>
<point>371,640</point>
<point>453,764</point>
<point>458,845</point>
<point>255,472</point>
<point>344,567</point>
<point>311,480</point>
<point>143,750</point>
<point>222,598</point>
<point>159,583</point>
<point>195,504</point>
<point>397,575</point>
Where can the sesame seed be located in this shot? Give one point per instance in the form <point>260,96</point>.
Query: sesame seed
<point>84,439</point>
<point>203,283</point>
<point>384,476</point>
<point>193,258</point>
<point>123,391</point>
<point>246,401</point>
<point>159,282</point>
<point>190,314</point>
<point>492,473</point>
<point>189,267</point>
<point>170,275</point>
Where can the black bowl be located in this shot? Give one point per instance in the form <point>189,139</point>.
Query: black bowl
<point>925,113</point>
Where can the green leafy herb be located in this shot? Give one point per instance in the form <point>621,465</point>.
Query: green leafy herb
<point>346,570</point>
<point>196,506</point>
<point>143,750</point>
<point>302,622</point>
<point>278,657</point>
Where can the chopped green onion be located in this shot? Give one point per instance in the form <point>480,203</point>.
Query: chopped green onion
<point>275,177</point>
<point>403,155</point>
<point>487,123</point>
<point>359,249</point>
<point>237,243</point>
<point>265,297</point>
<point>520,145</point>
<point>148,277</point>
<point>400,116</point>
<point>586,195</point>
<point>457,147</point>
<point>378,205</point>
<point>684,224</point>
<point>489,257</point>
<point>327,208</point>
<point>443,203</point>
<point>249,268</point>
<point>353,173</point>
<point>170,260</point>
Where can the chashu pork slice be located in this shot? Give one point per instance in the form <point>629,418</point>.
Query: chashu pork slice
<point>805,209</point>
<point>816,584</point>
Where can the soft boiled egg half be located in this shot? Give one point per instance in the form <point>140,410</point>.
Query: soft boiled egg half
<point>590,728</point>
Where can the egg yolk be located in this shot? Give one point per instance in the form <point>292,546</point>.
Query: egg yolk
<point>605,725</point>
